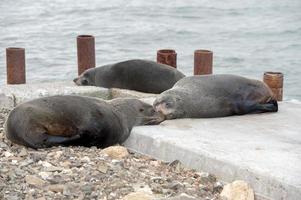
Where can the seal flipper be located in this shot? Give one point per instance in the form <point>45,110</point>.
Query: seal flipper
<point>60,140</point>
<point>250,107</point>
<point>271,106</point>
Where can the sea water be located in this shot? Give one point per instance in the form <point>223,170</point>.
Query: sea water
<point>247,37</point>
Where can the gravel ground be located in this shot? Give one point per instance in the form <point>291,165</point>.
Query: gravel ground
<point>88,173</point>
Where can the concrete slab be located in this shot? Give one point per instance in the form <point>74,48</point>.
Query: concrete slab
<point>263,149</point>
<point>122,93</point>
<point>11,95</point>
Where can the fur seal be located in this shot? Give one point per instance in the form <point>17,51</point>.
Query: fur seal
<point>141,75</point>
<point>206,96</point>
<point>77,120</point>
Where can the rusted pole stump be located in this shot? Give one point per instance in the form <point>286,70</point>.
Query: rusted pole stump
<point>15,65</point>
<point>203,62</point>
<point>275,81</point>
<point>167,57</point>
<point>85,52</point>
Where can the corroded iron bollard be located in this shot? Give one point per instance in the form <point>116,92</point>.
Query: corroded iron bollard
<point>167,57</point>
<point>85,52</point>
<point>203,62</point>
<point>15,65</point>
<point>275,81</point>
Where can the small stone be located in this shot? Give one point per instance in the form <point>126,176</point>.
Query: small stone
<point>53,169</point>
<point>159,180</point>
<point>156,188</point>
<point>26,162</point>
<point>116,152</point>
<point>54,179</point>
<point>86,159</point>
<point>23,152</point>
<point>155,163</point>
<point>58,154</point>
<point>56,188</point>
<point>217,187</point>
<point>238,190</point>
<point>71,189</point>
<point>139,196</point>
<point>175,185</point>
<point>206,177</point>
<point>182,196</point>
<point>176,165</point>
<point>14,162</point>
<point>46,164</point>
<point>8,154</point>
<point>41,198</point>
<point>103,168</point>
<point>34,181</point>
<point>44,175</point>
<point>66,164</point>
<point>87,188</point>
<point>206,188</point>
<point>37,157</point>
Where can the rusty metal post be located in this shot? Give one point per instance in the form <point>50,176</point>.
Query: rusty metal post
<point>167,57</point>
<point>275,81</point>
<point>203,62</point>
<point>85,52</point>
<point>15,65</point>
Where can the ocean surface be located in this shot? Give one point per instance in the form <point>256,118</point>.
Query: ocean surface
<point>247,37</point>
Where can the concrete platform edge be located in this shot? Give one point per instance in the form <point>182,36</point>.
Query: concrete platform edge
<point>266,188</point>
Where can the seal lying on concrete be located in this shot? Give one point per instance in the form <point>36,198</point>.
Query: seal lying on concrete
<point>206,96</point>
<point>76,120</point>
<point>141,75</point>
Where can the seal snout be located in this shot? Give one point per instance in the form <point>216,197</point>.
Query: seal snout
<point>161,108</point>
<point>76,81</point>
<point>157,119</point>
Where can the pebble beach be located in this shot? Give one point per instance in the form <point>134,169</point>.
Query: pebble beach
<point>91,173</point>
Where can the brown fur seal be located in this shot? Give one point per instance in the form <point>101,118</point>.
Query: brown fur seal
<point>215,96</point>
<point>76,120</point>
<point>141,75</point>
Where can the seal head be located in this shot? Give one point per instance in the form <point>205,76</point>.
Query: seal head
<point>86,78</point>
<point>171,106</point>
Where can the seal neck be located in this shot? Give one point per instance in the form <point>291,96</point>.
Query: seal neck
<point>128,112</point>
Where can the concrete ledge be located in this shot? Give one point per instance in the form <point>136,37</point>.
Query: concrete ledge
<point>263,149</point>
<point>12,95</point>
<point>122,93</point>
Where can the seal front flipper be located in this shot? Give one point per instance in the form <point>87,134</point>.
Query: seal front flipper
<point>60,140</point>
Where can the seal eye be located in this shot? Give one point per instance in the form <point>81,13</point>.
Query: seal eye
<point>84,82</point>
<point>141,110</point>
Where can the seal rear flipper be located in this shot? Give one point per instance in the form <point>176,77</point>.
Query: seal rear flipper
<point>271,106</point>
<point>250,107</point>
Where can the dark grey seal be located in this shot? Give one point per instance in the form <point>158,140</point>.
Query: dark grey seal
<point>206,96</point>
<point>141,75</point>
<point>76,120</point>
